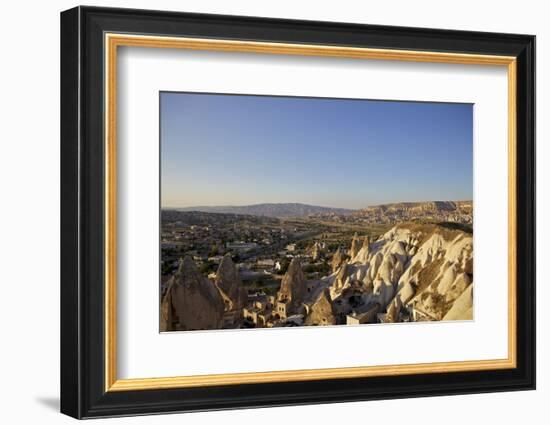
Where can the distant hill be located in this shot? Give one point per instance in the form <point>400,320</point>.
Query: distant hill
<point>438,211</point>
<point>270,210</point>
<point>419,207</point>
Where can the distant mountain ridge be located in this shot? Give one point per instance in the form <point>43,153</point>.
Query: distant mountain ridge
<point>270,209</point>
<point>426,206</point>
<point>391,211</point>
<point>438,211</point>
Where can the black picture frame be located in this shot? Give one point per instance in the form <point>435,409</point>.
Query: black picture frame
<point>83,392</point>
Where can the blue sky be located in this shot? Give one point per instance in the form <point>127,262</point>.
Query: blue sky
<point>239,150</point>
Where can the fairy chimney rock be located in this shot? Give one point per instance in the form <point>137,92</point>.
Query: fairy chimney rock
<point>293,286</point>
<point>337,260</point>
<point>322,311</point>
<point>191,301</point>
<point>316,251</point>
<point>363,254</point>
<point>229,284</point>
<point>354,246</point>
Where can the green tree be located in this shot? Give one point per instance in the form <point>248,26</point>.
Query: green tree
<point>207,267</point>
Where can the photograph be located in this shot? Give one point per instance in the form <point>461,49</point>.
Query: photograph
<point>284,211</point>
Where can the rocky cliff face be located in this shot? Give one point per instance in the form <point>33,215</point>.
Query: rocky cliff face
<point>424,268</point>
<point>293,286</point>
<point>441,270</point>
<point>455,211</point>
<point>230,286</point>
<point>420,207</point>
<point>191,301</point>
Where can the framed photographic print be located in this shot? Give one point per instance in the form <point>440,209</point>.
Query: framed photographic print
<point>261,212</point>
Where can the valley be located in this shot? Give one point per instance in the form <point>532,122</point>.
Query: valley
<point>384,264</point>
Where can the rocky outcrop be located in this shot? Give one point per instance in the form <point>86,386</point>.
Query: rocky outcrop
<point>316,252</point>
<point>425,267</point>
<point>459,285</point>
<point>293,286</point>
<point>392,313</point>
<point>229,285</point>
<point>390,269</point>
<point>462,308</point>
<point>384,292</point>
<point>341,279</point>
<point>337,260</point>
<point>439,271</point>
<point>355,246</point>
<point>405,292</point>
<point>415,271</point>
<point>457,211</point>
<point>191,301</point>
<point>363,254</point>
<point>322,311</point>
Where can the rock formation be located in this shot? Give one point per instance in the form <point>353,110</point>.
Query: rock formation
<point>457,211</point>
<point>341,279</point>
<point>316,252</point>
<point>415,271</point>
<point>293,286</point>
<point>355,246</point>
<point>191,301</point>
<point>462,308</point>
<point>405,292</point>
<point>439,269</point>
<point>363,254</point>
<point>230,286</point>
<point>384,291</point>
<point>392,313</point>
<point>457,287</point>
<point>322,311</point>
<point>422,268</point>
<point>337,260</point>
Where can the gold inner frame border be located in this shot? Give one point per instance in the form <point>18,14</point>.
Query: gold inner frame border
<point>112,41</point>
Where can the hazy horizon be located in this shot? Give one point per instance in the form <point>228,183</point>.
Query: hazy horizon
<point>221,150</point>
<point>324,206</point>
